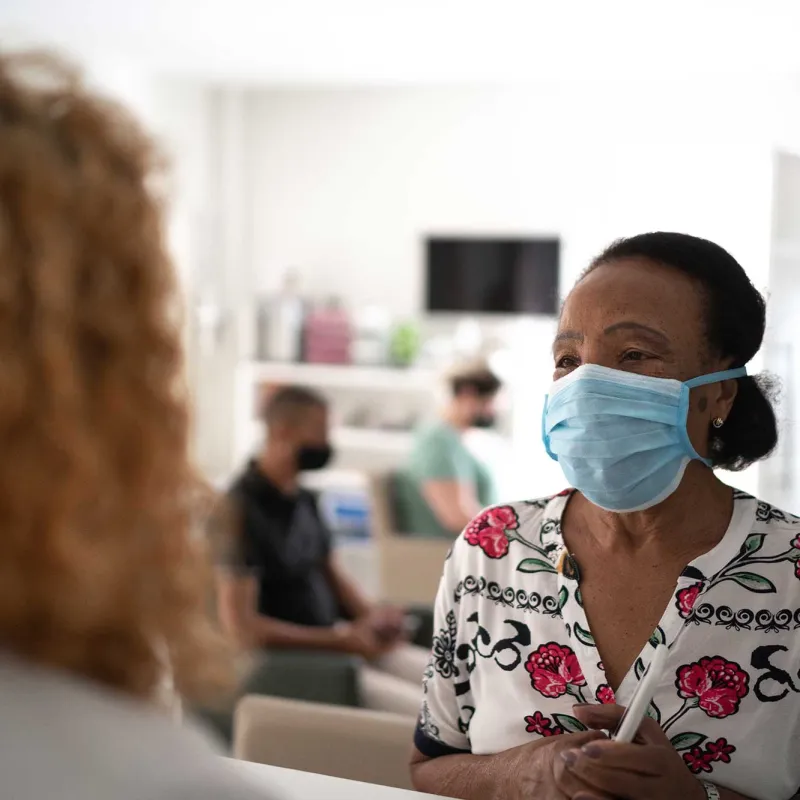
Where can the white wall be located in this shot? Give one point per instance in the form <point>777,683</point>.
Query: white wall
<point>346,183</point>
<point>184,117</point>
<point>343,184</point>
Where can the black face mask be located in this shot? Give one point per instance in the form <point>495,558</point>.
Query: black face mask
<point>312,457</point>
<point>484,421</point>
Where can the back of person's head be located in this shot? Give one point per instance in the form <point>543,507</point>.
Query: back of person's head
<point>474,378</point>
<point>290,406</point>
<point>100,571</point>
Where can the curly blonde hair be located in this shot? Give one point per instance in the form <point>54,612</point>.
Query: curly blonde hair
<point>101,572</point>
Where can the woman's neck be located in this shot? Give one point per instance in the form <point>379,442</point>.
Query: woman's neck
<point>695,517</point>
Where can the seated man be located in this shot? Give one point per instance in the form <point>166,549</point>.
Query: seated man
<point>444,485</point>
<point>286,589</point>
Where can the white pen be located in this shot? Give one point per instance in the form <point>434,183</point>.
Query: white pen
<point>642,697</point>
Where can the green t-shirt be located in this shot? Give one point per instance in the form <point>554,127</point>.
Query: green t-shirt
<point>438,454</point>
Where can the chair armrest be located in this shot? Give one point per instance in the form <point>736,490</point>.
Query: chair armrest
<point>311,675</point>
<point>314,676</point>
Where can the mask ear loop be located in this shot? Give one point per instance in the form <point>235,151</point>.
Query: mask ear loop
<point>702,380</point>
<point>716,377</point>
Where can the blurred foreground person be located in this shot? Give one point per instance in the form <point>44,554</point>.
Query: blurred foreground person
<point>102,584</point>
<point>444,485</point>
<point>284,588</point>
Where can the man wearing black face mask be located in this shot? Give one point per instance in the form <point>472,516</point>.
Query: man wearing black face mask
<point>444,486</point>
<point>284,588</point>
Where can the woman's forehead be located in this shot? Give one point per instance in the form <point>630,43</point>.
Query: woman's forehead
<point>635,291</point>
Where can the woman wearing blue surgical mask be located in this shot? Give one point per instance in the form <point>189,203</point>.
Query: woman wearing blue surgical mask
<point>550,610</point>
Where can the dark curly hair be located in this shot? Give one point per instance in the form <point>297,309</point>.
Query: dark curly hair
<point>101,570</point>
<point>735,324</point>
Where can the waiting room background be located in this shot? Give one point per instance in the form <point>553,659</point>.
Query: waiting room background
<point>319,142</point>
<point>336,158</point>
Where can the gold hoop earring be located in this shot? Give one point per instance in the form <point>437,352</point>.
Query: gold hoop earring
<point>718,423</point>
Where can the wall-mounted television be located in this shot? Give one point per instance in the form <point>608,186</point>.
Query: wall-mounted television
<point>499,275</point>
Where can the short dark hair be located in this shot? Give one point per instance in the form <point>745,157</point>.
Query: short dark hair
<point>735,324</point>
<point>289,402</point>
<point>482,382</point>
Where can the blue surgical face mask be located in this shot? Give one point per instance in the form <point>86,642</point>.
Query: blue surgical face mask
<point>621,438</point>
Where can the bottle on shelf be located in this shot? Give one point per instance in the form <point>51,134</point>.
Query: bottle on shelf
<point>370,345</point>
<point>327,335</point>
<point>280,322</point>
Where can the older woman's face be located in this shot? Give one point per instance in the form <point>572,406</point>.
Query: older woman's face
<point>641,317</point>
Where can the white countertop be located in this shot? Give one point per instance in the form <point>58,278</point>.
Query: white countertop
<point>306,785</point>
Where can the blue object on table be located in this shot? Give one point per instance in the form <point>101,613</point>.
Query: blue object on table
<point>347,514</point>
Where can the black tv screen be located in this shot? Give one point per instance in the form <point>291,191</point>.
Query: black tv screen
<point>492,276</point>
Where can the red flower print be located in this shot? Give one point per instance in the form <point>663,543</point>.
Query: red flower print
<point>488,531</point>
<point>605,695</point>
<point>796,542</point>
<point>717,685</point>
<point>554,668</point>
<point>493,542</point>
<point>542,725</point>
<point>697,760</point>
<point>688,597</point>
<point>565,493</point>
<point>720,750</point>
<point>797,569</point>
<point>503,516</point>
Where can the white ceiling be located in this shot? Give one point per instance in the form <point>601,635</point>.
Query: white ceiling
<point>409,41</point>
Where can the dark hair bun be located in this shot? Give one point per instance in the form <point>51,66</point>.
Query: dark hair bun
<point>751,431</point>
<point>736,321</point>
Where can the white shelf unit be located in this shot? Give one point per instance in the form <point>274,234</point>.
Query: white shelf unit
<point>360,448</point>
<point>344,376</point>
<point>373,439</point>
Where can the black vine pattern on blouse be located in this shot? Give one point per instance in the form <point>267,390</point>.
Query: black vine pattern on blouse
<point>427,724</point>
<point>709,688</point>
<point>428,674</point>
<point>443,652</point>
<point>509,597</point>
<point>767,513</point>
<point>746,619</point>
<point>740,570</point>
<point>464,719</point>
<point>506,653</point>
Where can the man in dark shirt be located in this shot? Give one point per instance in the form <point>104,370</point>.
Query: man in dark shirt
<point>288,549</point>
<point>284,587</point>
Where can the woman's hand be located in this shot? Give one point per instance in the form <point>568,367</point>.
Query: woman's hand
<point>649,768</point>
<point>530,771</point>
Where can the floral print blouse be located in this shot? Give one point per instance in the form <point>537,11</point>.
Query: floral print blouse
<point>513,651</point>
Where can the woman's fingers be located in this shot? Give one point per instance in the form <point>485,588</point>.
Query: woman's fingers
<point>604,718</point>
<point>619,771</point>
<point>607,717</point>
<point>570,784</point>
<point>639,759</point>
<point>650,733</point>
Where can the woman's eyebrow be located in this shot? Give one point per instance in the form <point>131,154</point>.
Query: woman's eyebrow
<point>572,336</point>
<point>640,328</point>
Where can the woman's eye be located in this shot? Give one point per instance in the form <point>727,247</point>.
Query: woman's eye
<point>567,362</point>
<point>634,355</point>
